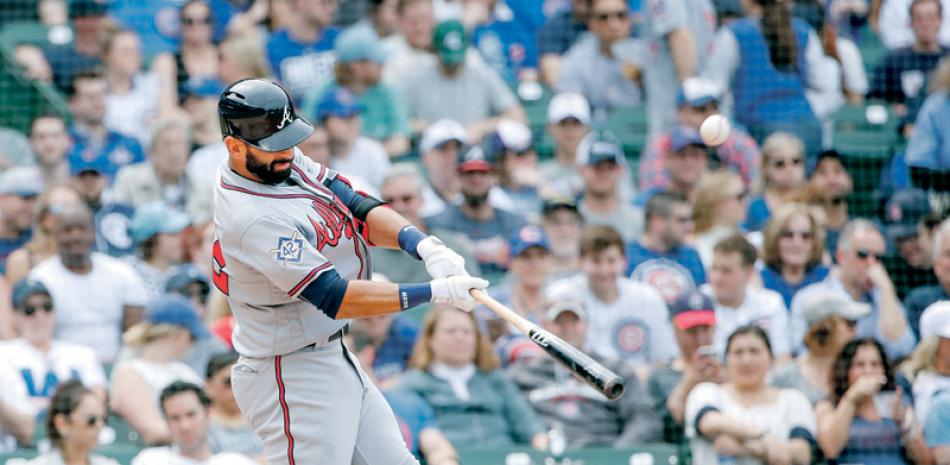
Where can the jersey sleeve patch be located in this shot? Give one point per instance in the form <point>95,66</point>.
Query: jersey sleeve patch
<point>289,249</point>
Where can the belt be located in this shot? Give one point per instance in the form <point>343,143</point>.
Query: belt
<point>330,339</point>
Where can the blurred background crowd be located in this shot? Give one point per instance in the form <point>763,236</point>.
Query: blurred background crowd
<point>780,298</point>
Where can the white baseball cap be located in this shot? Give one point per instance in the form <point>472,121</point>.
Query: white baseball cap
<point>818,304</point>
<point>568,105</point>
<point>440,132</point>
<point>512,135</point>
<point>935,321</point>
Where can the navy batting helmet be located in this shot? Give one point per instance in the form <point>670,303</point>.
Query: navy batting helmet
<point>261,113</point>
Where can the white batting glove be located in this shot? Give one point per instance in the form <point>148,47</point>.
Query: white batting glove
<point>454,290</point>
<point>441,261</point>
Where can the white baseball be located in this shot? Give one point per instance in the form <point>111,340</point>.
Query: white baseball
<point>714,130</point>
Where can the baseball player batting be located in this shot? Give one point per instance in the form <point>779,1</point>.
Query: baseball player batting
<point>290,252</point>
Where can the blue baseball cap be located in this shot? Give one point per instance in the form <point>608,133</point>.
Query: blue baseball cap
<point>79,165</point>
<point>203,87</point>
<point>183,276</point>
<point>359,43</point>
<point>904,210</point>
<point>527,237</point>
<point>154,218</point>
<point>26,287</point>
<point>693,309</point>
<point>176,310</point>
<point>338,102</point>
<point>474,158</point>
<point>603,146</point>
<point>684,136</point>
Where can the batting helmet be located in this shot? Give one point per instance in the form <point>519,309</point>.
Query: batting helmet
<point>261,113</point>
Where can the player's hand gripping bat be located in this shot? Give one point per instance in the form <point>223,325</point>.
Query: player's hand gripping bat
<point>605,381</point>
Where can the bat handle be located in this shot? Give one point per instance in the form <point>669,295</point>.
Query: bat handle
<point>506,313</point>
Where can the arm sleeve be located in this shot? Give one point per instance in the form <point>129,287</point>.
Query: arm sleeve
<point>852,67</point>
<point>701,399</point>
<point>901,347</point>
<point>278,249</point>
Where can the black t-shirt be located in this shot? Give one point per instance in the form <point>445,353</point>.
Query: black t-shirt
<point>902,74</point>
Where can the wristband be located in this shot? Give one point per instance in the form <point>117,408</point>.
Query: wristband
<point>413,295</point>
<point>409,238</point>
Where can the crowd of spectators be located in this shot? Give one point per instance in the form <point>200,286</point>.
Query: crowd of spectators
<point>755,315</point>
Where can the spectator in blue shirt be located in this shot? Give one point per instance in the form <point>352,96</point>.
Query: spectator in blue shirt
<point>392,338</point>
<point>792,251</point>
<point>926,148</point>
<point>506,42</point>
<point>557,35</point>
<point>783,174</point>
<point>93,143</point>
<point>921,298</point>
<point>661,258</point>
<point>83,53</point>
<point>301,55</point>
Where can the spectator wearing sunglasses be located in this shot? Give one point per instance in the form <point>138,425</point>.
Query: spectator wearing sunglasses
<point>42,361</point>
<point>229,430</point>
<point>912,264</point>
<point>197,56</point>
<point>783,173</point>
<point>75,419</point>
<point>793,248</point>
<point>860,275</point>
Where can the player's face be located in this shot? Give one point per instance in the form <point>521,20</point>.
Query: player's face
<point>187,420</point>
<point>728,276</point>
<point>82,427</point>
<point>38,326</point>
<point>269,167</point>
<point>603,268</point>
<point>453,339</point>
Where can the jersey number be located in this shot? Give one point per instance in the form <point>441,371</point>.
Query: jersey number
<point>218,275</point>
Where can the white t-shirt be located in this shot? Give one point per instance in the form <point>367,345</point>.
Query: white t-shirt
<point>894,24</point>
<point>791,410</point>
<point>635,328</point>
<point>204,162</point>
<point>90,307</point>
<point>13,394</point>
<point>133,113</point>
<point>927,385</point>
<point>761,307</point>
<point>367,160</point>
<point>159,375</point>
<point>168,456</point>
<point>42,372</point>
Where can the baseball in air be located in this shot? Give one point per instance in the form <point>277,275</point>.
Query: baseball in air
<point>714,130</point>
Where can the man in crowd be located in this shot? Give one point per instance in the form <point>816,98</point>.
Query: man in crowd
<point>228,430</point>
<point>831,184</point>
<point>439,152</point>
<point>84,51</point>
<point>628,320</point>
<point>684,163</point>
<point>557,35</point>
<point>50,143</point>
<point>409,48</point>
<point>488,227</point>
<point>661,257</point>
<point>602,201</point>
<point>301,54</point>
<point>187,411</point>
<point>17,196</point>
<point>739,303</point>
<point>694,324</point>
<point>860,275</point>
<point>921,298</point>
<point>42,361</point>
<point>112,220</point>
<point>586,417</point>
<point>568,121</point>
<point>350,152</point>
<point>912,264</point>
<point>562,223</point>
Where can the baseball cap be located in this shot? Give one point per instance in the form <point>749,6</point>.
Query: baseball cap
<point>684,136</point>
<point>450,42</point>
<point>527,237</point>
<point>935,321</point>
<point>87,8</point>
<point>79,165</point>
<point>603,147</point>
<point>26,287</point>
<point>21,184</point>
<point>511,136</point>
<point>176,310</point>
<point>693,308</point>
<point>359,43</point>
<point>473,158</point>
<point>338,102</point>
<point>154,218</point>
<point>556,308</point>
<point>203,87</point>
<point>818,304</point>
<point>560,202</point>
<point>441,132</point>
<point>697,92</point>
<point>183,276</point>
<point>568,105</point>
<point>904,210</point>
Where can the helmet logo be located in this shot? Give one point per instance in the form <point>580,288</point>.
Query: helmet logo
<point>286,118</point>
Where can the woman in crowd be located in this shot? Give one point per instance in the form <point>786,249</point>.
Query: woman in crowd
<point>866,420</point>
<point>745,419</point>
<point>75,418</point>
<point>242,56</point>
<point>719,208</point>
<point>783,173</point>
<point>456,371</point>
<point>770,60</point>
<point>793,248</point>
<point>831,318</point>
<point>159,345</point>
<point>928,368</point>
<point>42,245</point>
<point>197,56</point>
<point>132,101</point>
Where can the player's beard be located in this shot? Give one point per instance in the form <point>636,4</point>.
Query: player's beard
<point>264,171</point>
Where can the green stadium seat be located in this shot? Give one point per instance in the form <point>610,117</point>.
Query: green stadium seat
<point>23,32</point>
<point>865,164</point>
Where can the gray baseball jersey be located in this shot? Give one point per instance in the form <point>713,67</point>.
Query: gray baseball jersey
<point>271,241</point>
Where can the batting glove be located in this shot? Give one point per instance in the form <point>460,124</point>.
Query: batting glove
<point>454,290</point>
<point>441,261</point>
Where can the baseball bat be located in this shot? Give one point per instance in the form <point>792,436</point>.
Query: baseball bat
<point>596,375</point>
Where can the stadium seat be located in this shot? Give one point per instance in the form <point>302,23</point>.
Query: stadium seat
<point>23,32</point>
<point>651,454</point>
<point>864,163</point>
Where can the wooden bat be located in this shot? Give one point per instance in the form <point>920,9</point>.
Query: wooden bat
<point>605,381</point>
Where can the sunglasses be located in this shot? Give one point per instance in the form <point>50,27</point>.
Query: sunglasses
<point>789,234</point>
<point>604,17</point>
<point>865,254</point>
<point>193,21</point>
<point>29,310</point>
<point>402,198</point>
<point>791,162</point>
